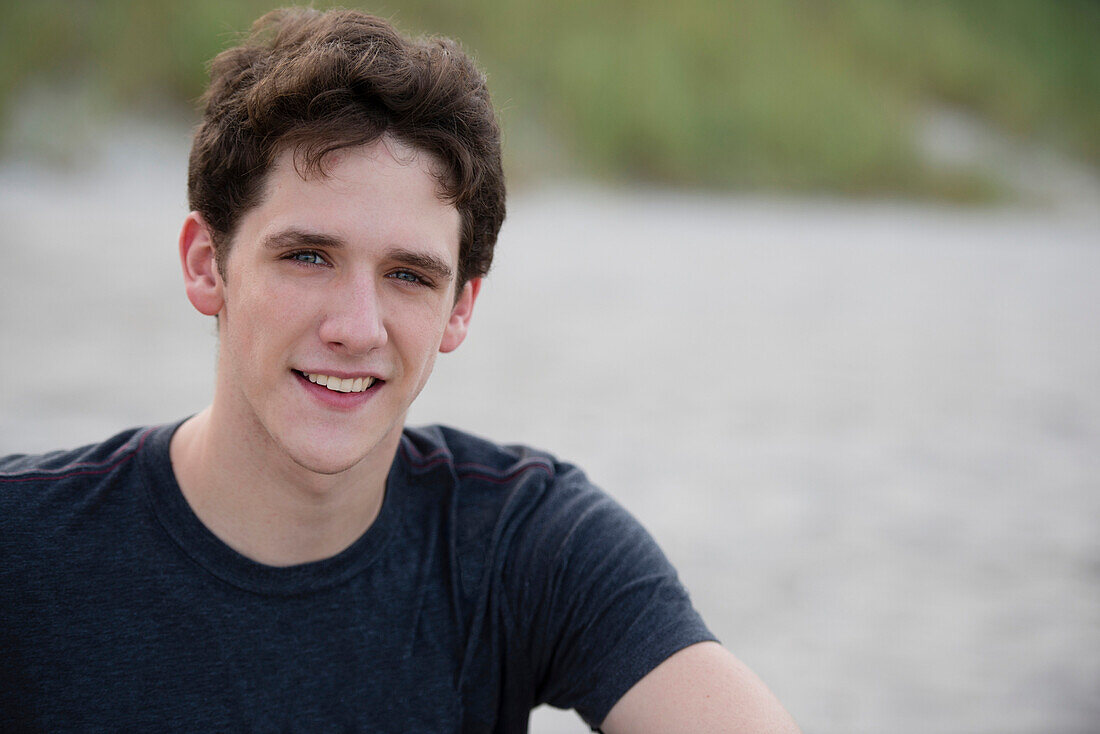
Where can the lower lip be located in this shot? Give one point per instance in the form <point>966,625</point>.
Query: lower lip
<point>338,400</point>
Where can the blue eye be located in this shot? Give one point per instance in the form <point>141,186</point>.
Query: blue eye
<point>407,276</point>
<point>309,257</point>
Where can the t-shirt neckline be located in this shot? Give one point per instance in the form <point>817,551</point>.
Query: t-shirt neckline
<point>197,541</point>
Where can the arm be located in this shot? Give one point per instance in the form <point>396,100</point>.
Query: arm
<point>700,689</point>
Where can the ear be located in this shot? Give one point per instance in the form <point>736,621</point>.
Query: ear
<point>460,316</point>
<point>200,271</point>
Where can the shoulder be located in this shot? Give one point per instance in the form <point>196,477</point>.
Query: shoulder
<point>54,466</point>
<point>31,483</point>
<point>542,522</point>
<point>509,483</point>
<point>518,513</point>
<point>587,602</point>
<point>473,457</point>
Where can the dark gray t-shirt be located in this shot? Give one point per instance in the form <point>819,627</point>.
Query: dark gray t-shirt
<point>494,579</point>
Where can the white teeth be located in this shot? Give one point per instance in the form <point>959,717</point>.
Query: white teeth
<point>336,384</point>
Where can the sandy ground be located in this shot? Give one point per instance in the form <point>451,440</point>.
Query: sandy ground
<point>867,434</point>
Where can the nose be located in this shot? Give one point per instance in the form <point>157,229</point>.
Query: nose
<point>353,320</point>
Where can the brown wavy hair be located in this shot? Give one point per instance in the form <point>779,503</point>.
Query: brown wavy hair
<point>317,82</point>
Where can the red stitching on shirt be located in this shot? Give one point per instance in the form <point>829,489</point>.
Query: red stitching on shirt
<point>103,470</point>
<point>410,449</point>
<point>496,477</point>
<point>463,470</point>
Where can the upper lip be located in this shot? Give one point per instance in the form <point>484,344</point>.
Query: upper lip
<point>341,374</point>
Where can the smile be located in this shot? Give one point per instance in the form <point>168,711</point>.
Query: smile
<point>336,384</point>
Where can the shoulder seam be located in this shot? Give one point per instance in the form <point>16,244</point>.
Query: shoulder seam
<point>470,469</point>
<point>109,464</point>
<point>473,469</point>
<point>421,461</point>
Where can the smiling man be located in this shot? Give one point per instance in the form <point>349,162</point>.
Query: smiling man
<point>293,557</point>
<point>336,293</point>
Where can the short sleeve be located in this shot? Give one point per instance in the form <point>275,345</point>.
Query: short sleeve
<point>596,604</point>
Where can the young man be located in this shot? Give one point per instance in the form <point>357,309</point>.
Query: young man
<point>292,557</point>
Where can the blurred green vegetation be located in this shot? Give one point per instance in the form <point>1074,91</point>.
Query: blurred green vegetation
<point>777,94</point>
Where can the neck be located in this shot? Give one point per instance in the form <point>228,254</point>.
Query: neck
<point>268,508</point>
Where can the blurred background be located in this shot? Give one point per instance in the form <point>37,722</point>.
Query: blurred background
<point>810,287</point>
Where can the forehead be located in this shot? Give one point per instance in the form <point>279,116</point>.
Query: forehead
<point>385,190</point>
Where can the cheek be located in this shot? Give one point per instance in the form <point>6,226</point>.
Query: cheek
<point>418,343</point>
<point>417,325</point>
<point>276,305</point>
<point>257,320</point>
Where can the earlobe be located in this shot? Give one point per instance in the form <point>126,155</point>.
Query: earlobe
<point>200,271</point>
<point>459,322</point>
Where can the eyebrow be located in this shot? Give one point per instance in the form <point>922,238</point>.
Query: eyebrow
<point>301,238</point>
<point>429,263</point>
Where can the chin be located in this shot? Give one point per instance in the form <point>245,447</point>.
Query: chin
<point>333,450</point>
<point>324,466</point>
